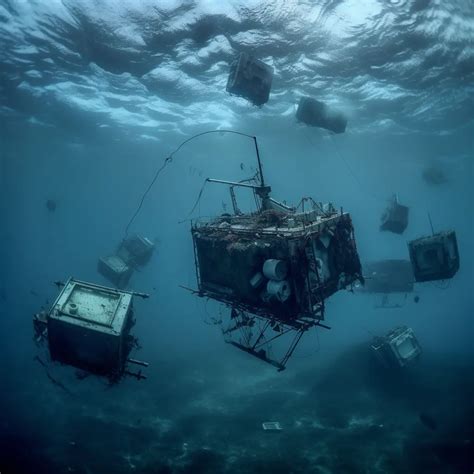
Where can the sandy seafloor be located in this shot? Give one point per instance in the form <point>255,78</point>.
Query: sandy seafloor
<point>342,416</point>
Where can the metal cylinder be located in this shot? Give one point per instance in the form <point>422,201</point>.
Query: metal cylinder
<point>275,269</point>
<point>279,289</point>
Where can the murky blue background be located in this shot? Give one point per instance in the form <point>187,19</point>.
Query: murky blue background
<point>93,97</point>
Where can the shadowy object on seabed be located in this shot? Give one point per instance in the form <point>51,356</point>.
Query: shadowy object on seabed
<point>51,205</point>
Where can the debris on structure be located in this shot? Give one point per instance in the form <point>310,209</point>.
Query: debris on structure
<point>317,114</point>
<point>250,78</point>
<point>132,253</point>
<point>395,217</point>
<point>435,257</point>
<point>274,268</point>
<point>396,349</point>
<point>88,327</point>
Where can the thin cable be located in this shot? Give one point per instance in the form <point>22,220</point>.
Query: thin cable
<point>162,167</point>
<point>168,160</point>
<point>353,174</point>
<point>199,197</point>
<point>349,168</point>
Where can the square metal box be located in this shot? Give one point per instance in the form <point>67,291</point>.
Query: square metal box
<point>398,348</point>
<point>250,78</point>
<point>435,257</point>
<point>395,218</point>
<point>314,113</point>
<point>136,250</point>
<point>115,270</point>
<point>88,327</point>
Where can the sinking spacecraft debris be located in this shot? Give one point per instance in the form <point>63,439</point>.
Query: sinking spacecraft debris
<point>274,268</point>
<point>317,114</point>
<point>435,257</point>
<point>398,348</point>
<point>395,217</point>
<point>250,78</point>
<point>132,253</point>
<point>88,327</point>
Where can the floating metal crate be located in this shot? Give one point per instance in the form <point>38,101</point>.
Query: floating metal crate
<point>88,327</point>
<point>250,78</point>
<point>136,250</point>
<point>115,270</point>
<point>133,252</point>
<point>435,257</point>
<point>395,217</point>
<point>317,114</point>
<point>398,348</point>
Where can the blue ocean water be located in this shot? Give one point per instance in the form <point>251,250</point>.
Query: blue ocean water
<point>95,95</point>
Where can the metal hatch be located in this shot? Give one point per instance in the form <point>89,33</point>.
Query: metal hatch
<point>93,305</point>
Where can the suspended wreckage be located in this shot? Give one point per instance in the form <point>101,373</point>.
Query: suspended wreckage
<point>397,349</point>
<point>385,277</point>
<point>435,257</point>
<point>88,327</point>
<point>274,268</point>
<point>132,253</point>
<point>395,217</point>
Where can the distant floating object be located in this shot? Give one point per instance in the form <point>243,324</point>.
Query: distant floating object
<point>271,426</point>
<point>435,257</point>
<point>133,252</point>
<point>434,175</point>
<point>250,78</point>
<point>388,276</point>
<point>317,114</point>
<point>51,205</point>
<point>395,217</point>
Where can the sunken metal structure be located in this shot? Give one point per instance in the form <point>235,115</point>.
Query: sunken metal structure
<point>388,276</point>
<point>314,113</point>
<point>395,217</point>
<point>132,253</point>
<point>435,257</point>
<point>397,349</point>
<point>274,268</point>
<point>88,327</point>
<point>250,78</point>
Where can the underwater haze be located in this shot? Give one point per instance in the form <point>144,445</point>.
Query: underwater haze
<point>96,94</point>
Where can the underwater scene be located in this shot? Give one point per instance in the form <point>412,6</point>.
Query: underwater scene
<point>236,236</point>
